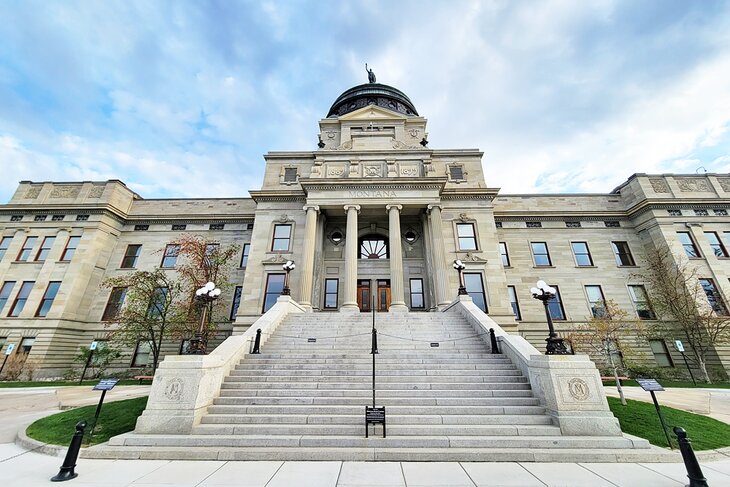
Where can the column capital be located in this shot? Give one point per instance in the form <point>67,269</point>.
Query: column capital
<point>391,207</point>
<point>311,207</point>
<point>355,207</point>
<point>429,208</point>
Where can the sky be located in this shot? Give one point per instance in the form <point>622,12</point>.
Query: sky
<point>183,98</point>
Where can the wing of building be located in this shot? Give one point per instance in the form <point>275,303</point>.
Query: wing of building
<point>373,216</point>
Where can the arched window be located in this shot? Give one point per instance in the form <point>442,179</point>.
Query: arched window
<point>373,247</point>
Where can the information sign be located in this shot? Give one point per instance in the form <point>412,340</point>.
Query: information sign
<point>650,385</point>
<point>679,345</point>
<point>434,344</point>
<point>374,415</point>
<point>93,345</point>
<point>9,350</point>
<point>311,340</point>
<point>105,385</point>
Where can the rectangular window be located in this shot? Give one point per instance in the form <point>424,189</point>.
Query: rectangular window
<point>130,256</point>
<point>4,245</point>
<point>540,254</point>
<point>114,304</point>
<point>689,245</point>
<point>48,298</point>
<point>141,228</point>
<point>701,213</point>
<point>282,236</point>
<point>184,345</point>
<point>713,296</point>
<point>82,218</point>
<point>179,227</point>
<point>57,218</point>
<point>661,354</point>
<point>623,254</point>
<point>596,301</point>
<point>274,286</point>
<point>70,249</point>
<point>217,226</point>
<point>45,249</point>
<point>16,218</point>
<point>290,174</point>
<point>26,344</point>
<point>512,291</point>
<point>5,293</point>
<point>142,354</point>
<point>717,247</point>
<point>504,254</point>
<point>211,253</point>
<point>582,254</point>
<point>456,172</point>
<point>417,300</point>
<point>169,258</point>
<point>40,218</point>
<point>555,306</point>
<point>236,301</point>
<point>158,304</point>
<point>475,289</point>
<point>244,255</point>
<point>466,235</point>
<point>331,291</point>
<point>21,298</point>
<point>28,245</point>
<point>641,302</point>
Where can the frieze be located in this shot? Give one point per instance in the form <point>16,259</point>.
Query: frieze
<point>410,171</point>
<point>724,184</point>
<point>33,192</point>
<point>65,191</point>
<point>659,185</point>
<point>370,171</point>
<point>372,194</point>
<point>693,185</point>
<point>335,171</point>
<point>96,191</point>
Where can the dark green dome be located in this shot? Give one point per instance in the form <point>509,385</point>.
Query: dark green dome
<point>372,94</point>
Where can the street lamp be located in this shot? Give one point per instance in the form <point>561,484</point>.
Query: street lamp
<point>545,293</point>
<point>205,295</point>
<point>288,267</point>
<point>459,266</point>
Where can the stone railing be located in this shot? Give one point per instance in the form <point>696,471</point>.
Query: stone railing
<point>185,385</point>
<point>568,386</point>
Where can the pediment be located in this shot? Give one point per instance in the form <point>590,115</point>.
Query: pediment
<point>372,112</point>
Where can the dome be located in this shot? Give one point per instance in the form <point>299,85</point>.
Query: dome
<point>372,94</point>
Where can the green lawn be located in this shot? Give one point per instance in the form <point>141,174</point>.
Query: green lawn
<point>640,419</point>
<point>673,383</point>
<point>57,383</point>
<point>116,418</point>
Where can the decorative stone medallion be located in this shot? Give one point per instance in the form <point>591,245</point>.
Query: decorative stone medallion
<point>578,388</point>
<point>371,171</point>
<point>659,185</point>
<point>174,389</point>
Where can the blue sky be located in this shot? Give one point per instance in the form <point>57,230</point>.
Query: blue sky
<point>182,98</point>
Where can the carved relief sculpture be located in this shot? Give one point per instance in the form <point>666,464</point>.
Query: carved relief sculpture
<point>693,185</point>
<point>96,191</point>
<point>724,184</point>
<point>659,185</point>
<point>65,191</point>
<point>33,192</point>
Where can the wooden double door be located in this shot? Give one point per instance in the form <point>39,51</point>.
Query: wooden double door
<point>365,294</point>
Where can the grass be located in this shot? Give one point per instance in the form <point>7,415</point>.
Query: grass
<point>673,383</point>
<point>116,418</point>
<point>640,419</point>
<point>57,383</point>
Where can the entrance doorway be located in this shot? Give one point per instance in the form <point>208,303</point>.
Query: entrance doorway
<point>383,295</point>
<point>365,295</point>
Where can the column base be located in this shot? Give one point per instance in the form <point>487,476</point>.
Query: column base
<point>349,308</point>
<point>398,308</point>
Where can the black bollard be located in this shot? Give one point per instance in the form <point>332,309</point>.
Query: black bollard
<point>257,343</point>
<point>493,340</point>
<point>69,463</point>
<point>694,472</point>
<point>374,348</point>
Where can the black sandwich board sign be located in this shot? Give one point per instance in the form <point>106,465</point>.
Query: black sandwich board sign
<point>374,415</point>
<point>651,386</point>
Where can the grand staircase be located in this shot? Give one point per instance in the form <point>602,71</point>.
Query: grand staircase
<point>305,400</point>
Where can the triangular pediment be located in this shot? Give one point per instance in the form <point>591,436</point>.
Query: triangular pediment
<point>372,112</point>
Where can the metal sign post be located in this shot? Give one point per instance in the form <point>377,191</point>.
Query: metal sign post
<point>8,351</point>
<point>680,348</point>
<point>103,386</point>
<point>374,415</point>
<point>651,385</point>
<point>92,347</point>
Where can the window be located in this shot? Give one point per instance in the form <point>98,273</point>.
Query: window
<point>236,301</point>
<point>141,228</point>
<point>28,245</point>
<point>169,258</point>
<point>26,344</point>
<point>475,289</point>
<point>290,174</point>
<point>331,289</point>
<point>612,224</point>
<point>540,254</point>
<point>417,300</point>
<point>179,227</point>
<point>4,245</point>
<point>274,287</point>
<point>158,304</point>
<point>217,226</point>
<point>596,301</point>
<point>572,225</point>
<point>689,245</point>
<point>498,224</point>
<point>467,237</point>
<point>504,254</point>
<point>40,218</point>
<point>244,255</point>
<point>249,226</point>
<point>717,247</point>
<point>720,212</point>
<point>282,236</point>
<point>57,218</point>
<point>184,346</point>
<point>555,306</point>
<point>661,354</point>
<point>82,218</point>
<point>456,172</point>
<point>21,298</point>
<point>211,252</point>
<point>130,256</point>
<point>45,249</point>
<point>512,291</point>
<point>410,236</point>
<point>623,254</point>
<point>713,296</point>
<point>70,249</point>
<point>114,304</point>
<point>48,298</point>
<point>16,218</point>
<point>142,354</point>
<point>674,212</point>
<point>641,302</point>
<point>373,247</point>
<point>5,293</point>
<point>533,224</point>
<point>701,213</point>
<point>582,254</point>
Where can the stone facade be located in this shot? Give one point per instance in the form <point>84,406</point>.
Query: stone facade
<point>373,179</point>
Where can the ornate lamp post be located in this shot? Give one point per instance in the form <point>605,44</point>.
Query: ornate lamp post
<point>288,267</point>
<point>545,293</point>
<point>459,266</point>
<point>205,295</point>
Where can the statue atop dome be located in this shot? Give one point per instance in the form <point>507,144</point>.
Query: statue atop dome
<point>371,75</point>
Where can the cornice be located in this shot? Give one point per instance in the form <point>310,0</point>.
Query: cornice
<point>563,216</point>
<point>277,195</point>
<point>469,193</point>
<point>337,184</point>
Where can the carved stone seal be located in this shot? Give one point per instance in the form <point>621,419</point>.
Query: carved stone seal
<point>174,389</point>
<point>578,389</point>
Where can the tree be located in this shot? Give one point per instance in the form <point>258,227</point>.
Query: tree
<point>102,358</point>
<point>154,309</point>
<point>693,313</point>
<point>605,335</point>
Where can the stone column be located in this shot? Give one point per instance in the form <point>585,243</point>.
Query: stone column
<point>441,281</point>
<point>307,275</point>
<point>397,303</point>
<point>350,303</point>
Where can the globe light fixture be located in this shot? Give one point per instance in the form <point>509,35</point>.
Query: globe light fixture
<point>288,267</point>
<point>204,295</point>
<point>459,266</point>
<point>545,293</point>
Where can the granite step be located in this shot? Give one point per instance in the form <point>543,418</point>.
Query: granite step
<point>393,419</point>
<point>358,409</point>
<point>390,401</point>
<point>395,430</point>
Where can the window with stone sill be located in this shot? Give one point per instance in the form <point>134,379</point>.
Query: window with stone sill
<point>68,252</point>
<point>4,245</point>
